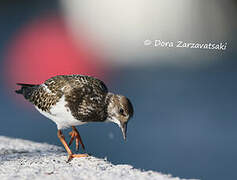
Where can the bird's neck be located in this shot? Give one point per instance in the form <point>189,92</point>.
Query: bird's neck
<point>108,98</point>
<point>109,101</point>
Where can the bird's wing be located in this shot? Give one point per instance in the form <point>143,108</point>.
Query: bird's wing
<point>86,103</point>
<point>85,95</point>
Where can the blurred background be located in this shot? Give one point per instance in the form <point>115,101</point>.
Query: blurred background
<point>184,99</point>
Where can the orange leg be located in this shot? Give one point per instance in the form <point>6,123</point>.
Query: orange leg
<point>75,134</point>
<point>62,139</point>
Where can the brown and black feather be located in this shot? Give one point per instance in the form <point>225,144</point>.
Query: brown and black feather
<point>85,96</point>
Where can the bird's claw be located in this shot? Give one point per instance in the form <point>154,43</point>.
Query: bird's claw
<point>76,156</point>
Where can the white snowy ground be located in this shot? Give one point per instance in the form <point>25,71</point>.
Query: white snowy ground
<point>22,159</point>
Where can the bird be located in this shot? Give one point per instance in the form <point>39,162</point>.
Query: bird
<point>73,100</point>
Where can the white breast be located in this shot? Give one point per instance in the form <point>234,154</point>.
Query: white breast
<point>61,115</point>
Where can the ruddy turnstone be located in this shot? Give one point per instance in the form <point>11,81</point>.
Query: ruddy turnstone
<point>71,100</point>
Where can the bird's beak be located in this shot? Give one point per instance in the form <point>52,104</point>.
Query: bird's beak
<point>124,130</point>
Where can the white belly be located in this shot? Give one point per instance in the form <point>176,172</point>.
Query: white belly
<point>61,115</point>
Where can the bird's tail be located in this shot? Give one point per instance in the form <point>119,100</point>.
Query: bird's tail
<point>26,89</point>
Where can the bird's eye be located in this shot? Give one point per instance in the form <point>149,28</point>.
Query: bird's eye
<point>121,111</point>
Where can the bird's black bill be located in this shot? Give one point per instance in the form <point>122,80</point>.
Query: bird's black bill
<point>124,130</point>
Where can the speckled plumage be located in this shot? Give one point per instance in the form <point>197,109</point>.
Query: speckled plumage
<point>85,96</point>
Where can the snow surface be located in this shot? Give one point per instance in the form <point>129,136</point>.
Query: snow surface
<point>23,159</point>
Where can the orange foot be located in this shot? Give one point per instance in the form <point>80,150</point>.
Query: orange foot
<point>71,156</point>
<point>76,156</point>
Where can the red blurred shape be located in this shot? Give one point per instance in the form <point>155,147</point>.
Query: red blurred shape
<point>43,49</point>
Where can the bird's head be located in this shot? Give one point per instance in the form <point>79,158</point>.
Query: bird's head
<point>120,110</point>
